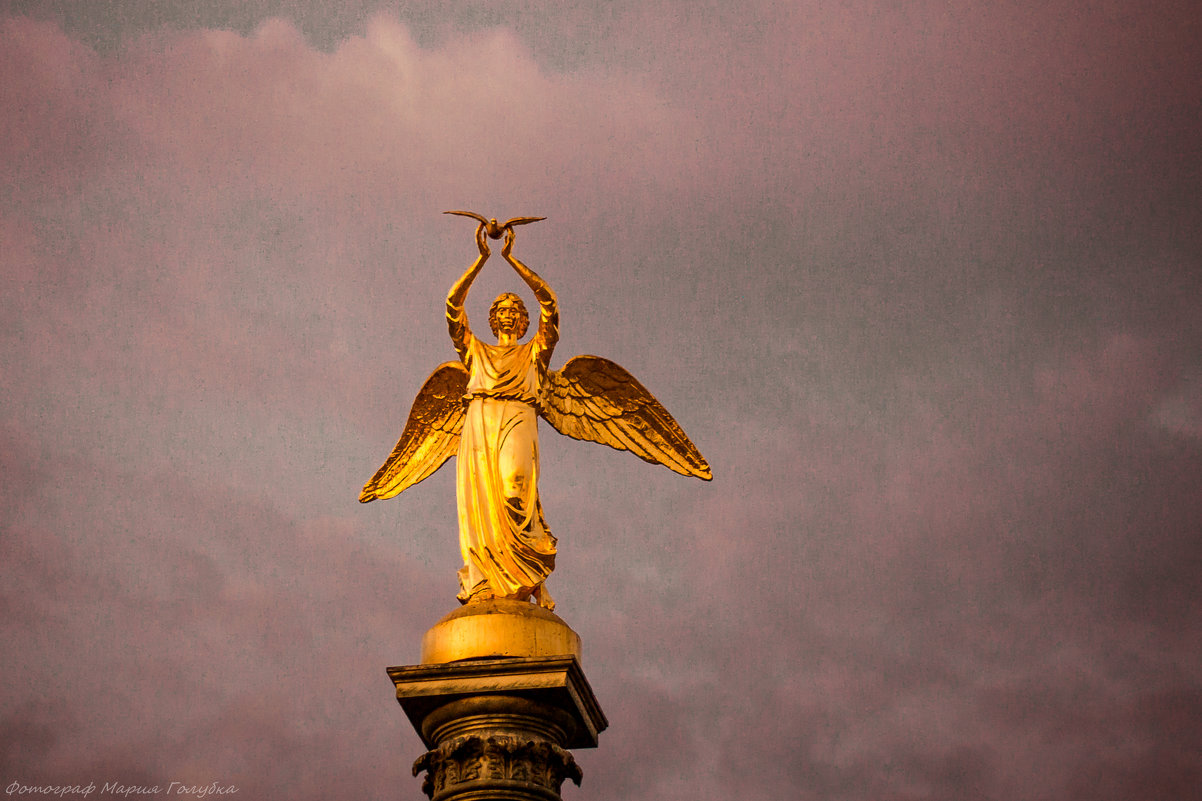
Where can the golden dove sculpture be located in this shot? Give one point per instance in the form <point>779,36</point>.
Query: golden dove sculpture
<point>493,228</point>
<point>485,409</point>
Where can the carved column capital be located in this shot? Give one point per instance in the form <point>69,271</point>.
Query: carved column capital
<point>481,765</point>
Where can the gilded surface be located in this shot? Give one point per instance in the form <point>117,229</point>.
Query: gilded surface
<point>485,408</point>
<point>496,629</point>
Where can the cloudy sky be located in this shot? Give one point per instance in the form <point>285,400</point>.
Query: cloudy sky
<point>922,280</point>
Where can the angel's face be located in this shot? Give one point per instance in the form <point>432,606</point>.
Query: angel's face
<point>508,317</point>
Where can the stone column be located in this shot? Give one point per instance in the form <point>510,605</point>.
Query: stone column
<point>498,700</point>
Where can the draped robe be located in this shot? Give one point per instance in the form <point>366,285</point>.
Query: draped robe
<point>506,546</point>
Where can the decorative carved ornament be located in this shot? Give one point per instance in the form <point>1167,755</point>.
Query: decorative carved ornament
<point>495,758</point>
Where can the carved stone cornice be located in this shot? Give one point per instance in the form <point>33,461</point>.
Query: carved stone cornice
<point>557,682</point>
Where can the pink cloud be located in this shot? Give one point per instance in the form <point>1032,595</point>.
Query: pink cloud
<point>397,122</point>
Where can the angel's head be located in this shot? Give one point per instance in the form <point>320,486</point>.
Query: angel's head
<point>508,315</point>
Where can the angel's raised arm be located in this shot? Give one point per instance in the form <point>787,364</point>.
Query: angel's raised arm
<point>456,313</point>
<point>548,318</point>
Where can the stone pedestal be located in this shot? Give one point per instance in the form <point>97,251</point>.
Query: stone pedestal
<point>498,700</point>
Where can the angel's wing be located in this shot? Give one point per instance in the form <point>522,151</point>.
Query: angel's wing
<point>596,400</point>
<point>431,435</point>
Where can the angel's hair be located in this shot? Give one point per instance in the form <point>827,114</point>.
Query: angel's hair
<point>524,316</point>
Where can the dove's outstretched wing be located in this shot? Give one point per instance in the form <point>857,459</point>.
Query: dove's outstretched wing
<point>596,400</point>
<point>471,214</point>
<point>521,221</point>
<point>431,435</point>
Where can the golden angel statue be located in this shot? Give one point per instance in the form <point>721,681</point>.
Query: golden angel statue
<point>485,409</point>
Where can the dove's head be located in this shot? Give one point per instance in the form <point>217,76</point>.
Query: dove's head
<point>508,315</point>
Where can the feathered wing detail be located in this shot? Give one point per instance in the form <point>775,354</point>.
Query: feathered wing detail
<point>521,221</point>
<point>431,434</point>
<point>594,399</point>
<point>471,214</point>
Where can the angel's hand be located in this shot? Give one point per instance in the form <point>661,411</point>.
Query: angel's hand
<point>507,248</point>
<point>482,241</point>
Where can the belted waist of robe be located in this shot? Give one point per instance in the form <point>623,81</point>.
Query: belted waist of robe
<point>520,397</point>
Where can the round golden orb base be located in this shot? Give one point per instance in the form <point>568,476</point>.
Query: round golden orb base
<point>498,628</point>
